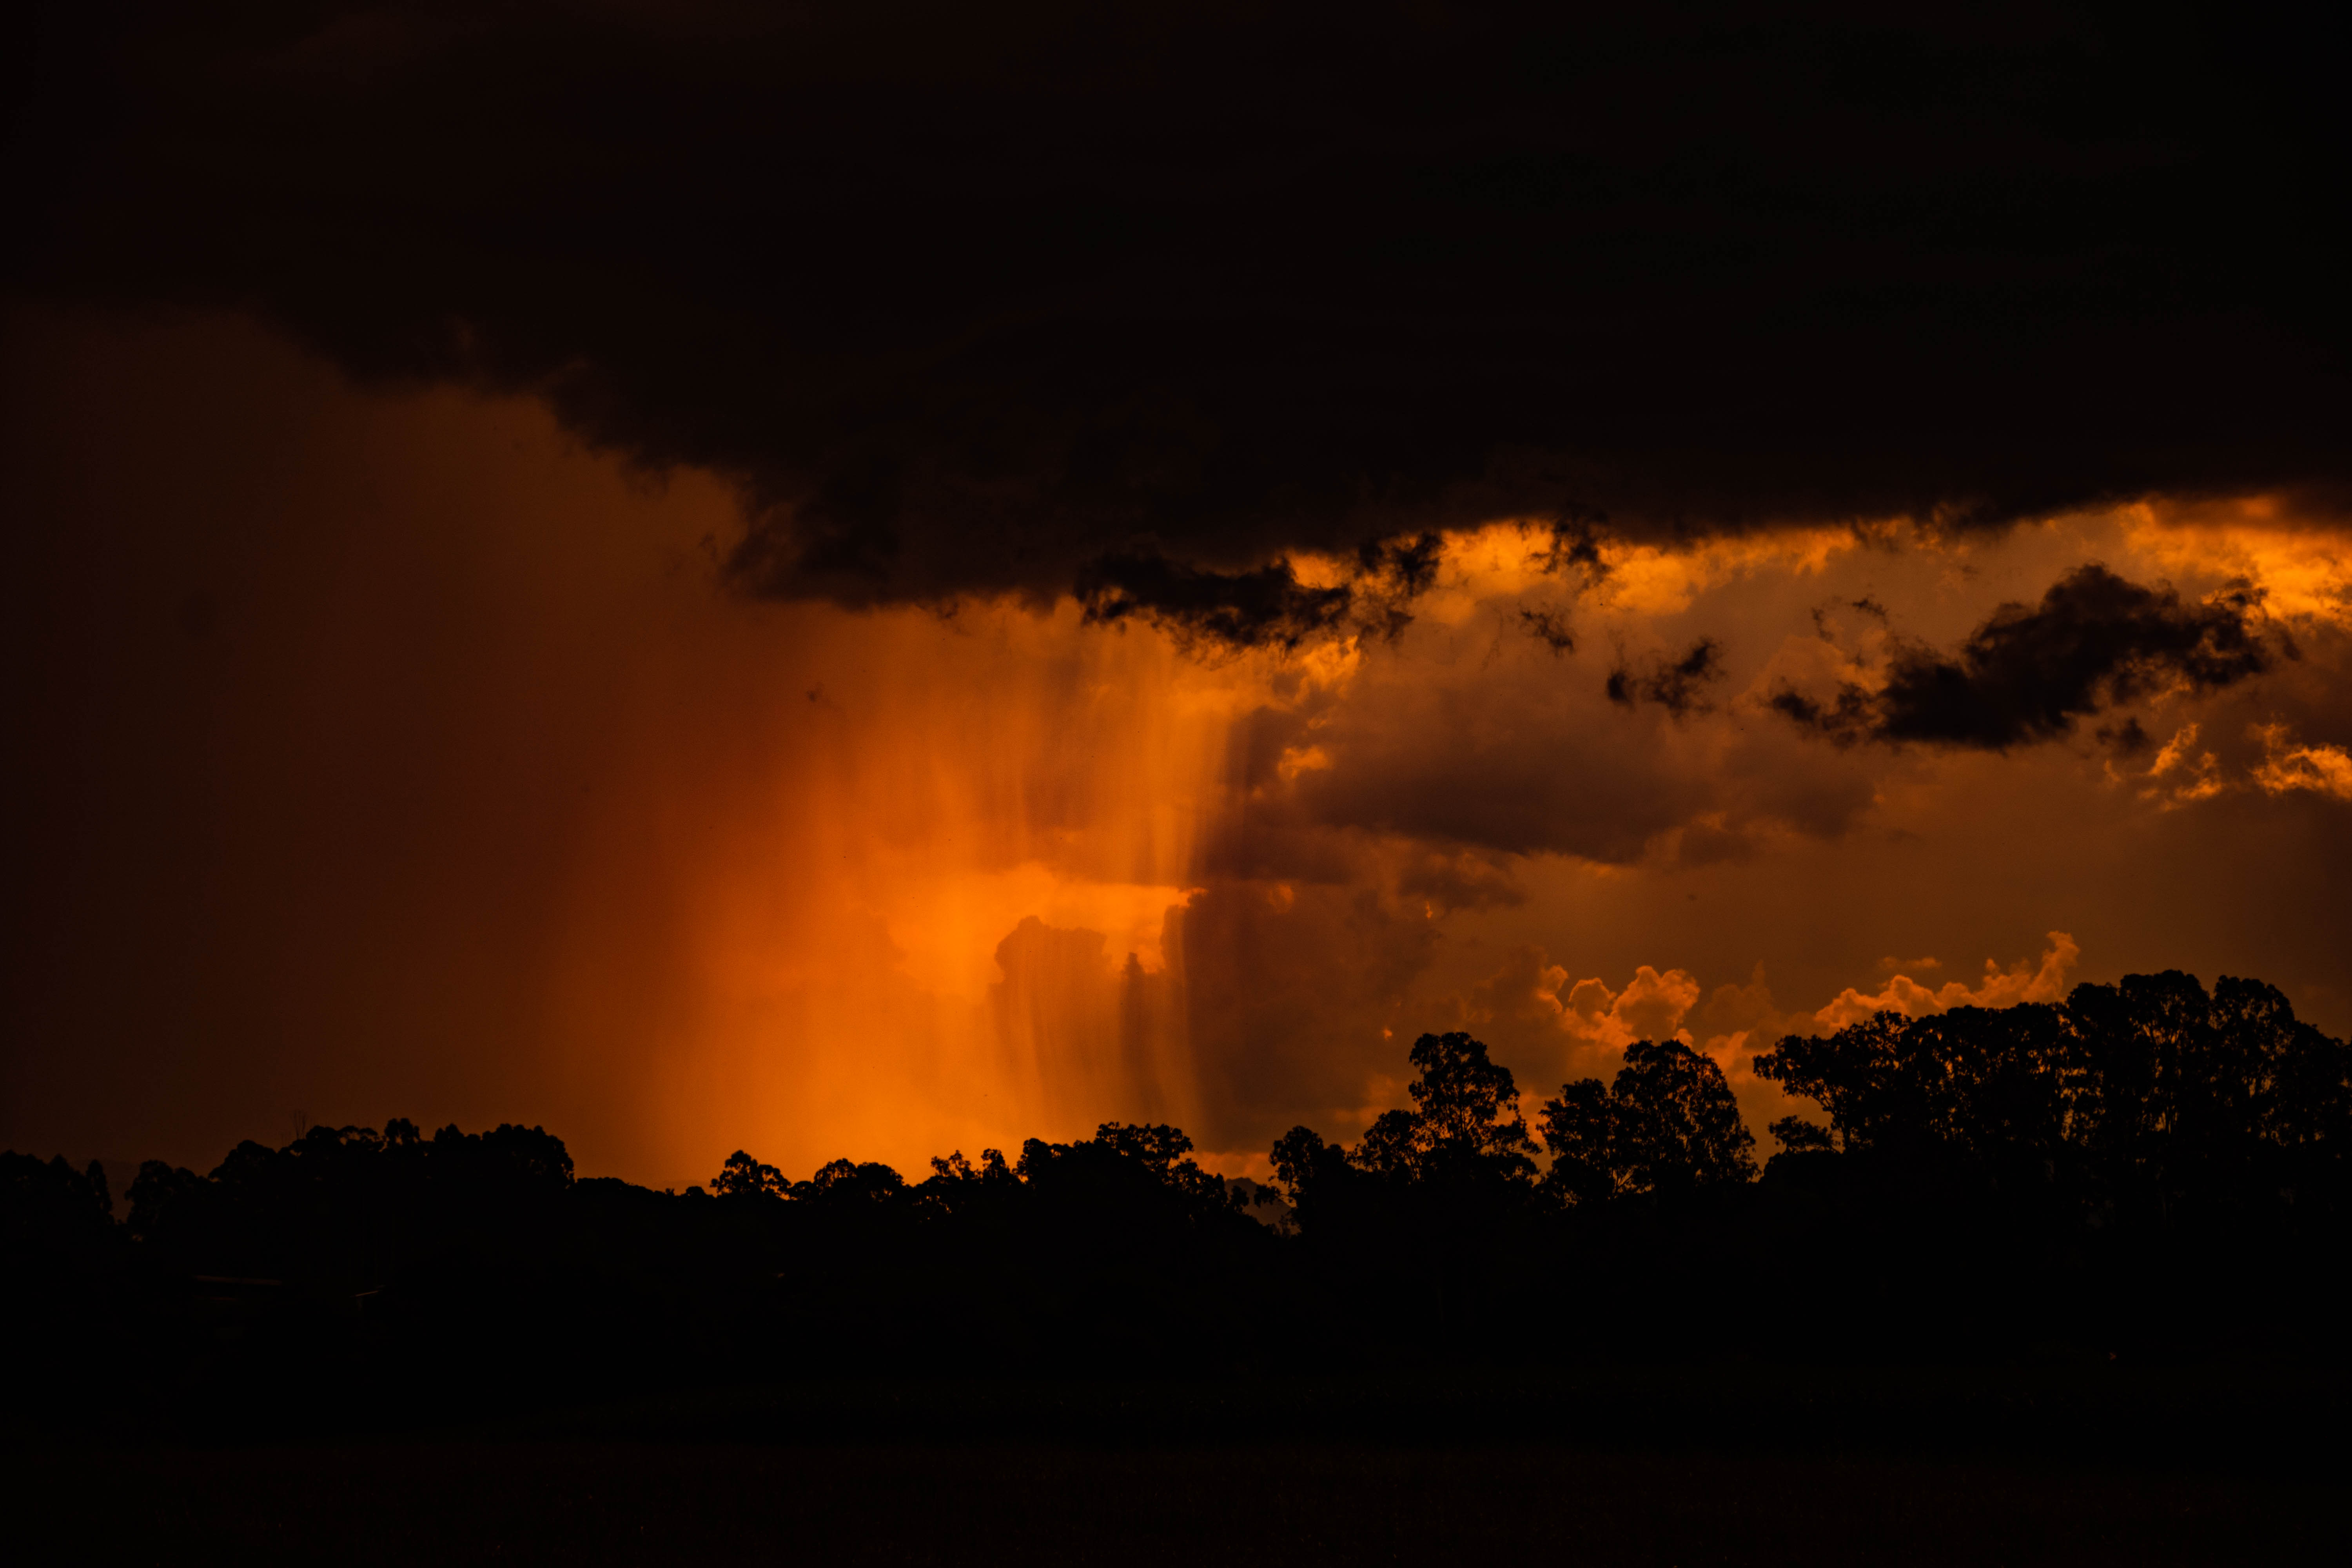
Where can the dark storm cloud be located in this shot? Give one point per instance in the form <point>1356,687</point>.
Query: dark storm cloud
<point>1678,684</point>
<point>1550,628</point>
<point>1409,564</point>
<point>2095,641</point>
<point>2128,739</point>
<point>983,299</point>
<point>1267,605</point>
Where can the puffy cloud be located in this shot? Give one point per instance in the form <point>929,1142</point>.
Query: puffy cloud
<point>1735,1024</point>
<point>1550,1026</point>
<point>2291,548</point>
<point>2321,769</point>
<point>1465,747</point>
<point>1650,1007</point>
<point>1557,1024</point>
<point>1531,999</point>
<point>2180,774</point>
<point>2028,980</point>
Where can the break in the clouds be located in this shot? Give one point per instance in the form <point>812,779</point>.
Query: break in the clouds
<point>1142,302</point>
<point>2030,672</point>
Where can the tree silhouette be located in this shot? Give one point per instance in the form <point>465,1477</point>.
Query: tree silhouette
<point>744,1177</point>
<point>2148,1101</point>
<point>1668,1124</point>
<point>161,1194</point>
<point>1465,1128</point>
<point>1579,1134</point>
<point>1316,1176</point>
<point>954,1170</point>
<point>848,1181</point>
<point>50,1205</point>
<point>2147,1165</point>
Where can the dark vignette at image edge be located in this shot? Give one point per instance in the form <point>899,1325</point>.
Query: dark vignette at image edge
<point>1447,242</point>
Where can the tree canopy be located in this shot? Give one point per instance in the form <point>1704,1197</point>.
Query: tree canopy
<point>2146,1163</point>
<point>1668,1124</point>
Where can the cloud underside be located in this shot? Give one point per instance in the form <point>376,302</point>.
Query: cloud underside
<point>977,301</point>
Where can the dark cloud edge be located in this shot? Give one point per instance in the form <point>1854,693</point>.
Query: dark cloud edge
<point>2028,675</point>
<point>972,307</point>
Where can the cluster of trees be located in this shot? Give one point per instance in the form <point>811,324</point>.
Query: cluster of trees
<point>2148,1167</point>
<point>347,1204</point>
<point>1667,1126</point>
<point>52,1215</point>
<point>2145,1168</point>
<point>2149,1103</point>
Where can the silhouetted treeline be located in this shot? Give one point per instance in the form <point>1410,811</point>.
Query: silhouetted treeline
<point>2147,1170</point>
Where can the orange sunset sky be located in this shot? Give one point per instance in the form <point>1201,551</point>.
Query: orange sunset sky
<point>871,581</point>
<point>389,754</point>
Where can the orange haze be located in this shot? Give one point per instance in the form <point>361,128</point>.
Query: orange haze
<point>408,761</point>
<point>383,754</point>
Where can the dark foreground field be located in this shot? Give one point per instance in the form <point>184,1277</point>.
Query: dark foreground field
<point>569,1504</point>
<point>1963,1467</point>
